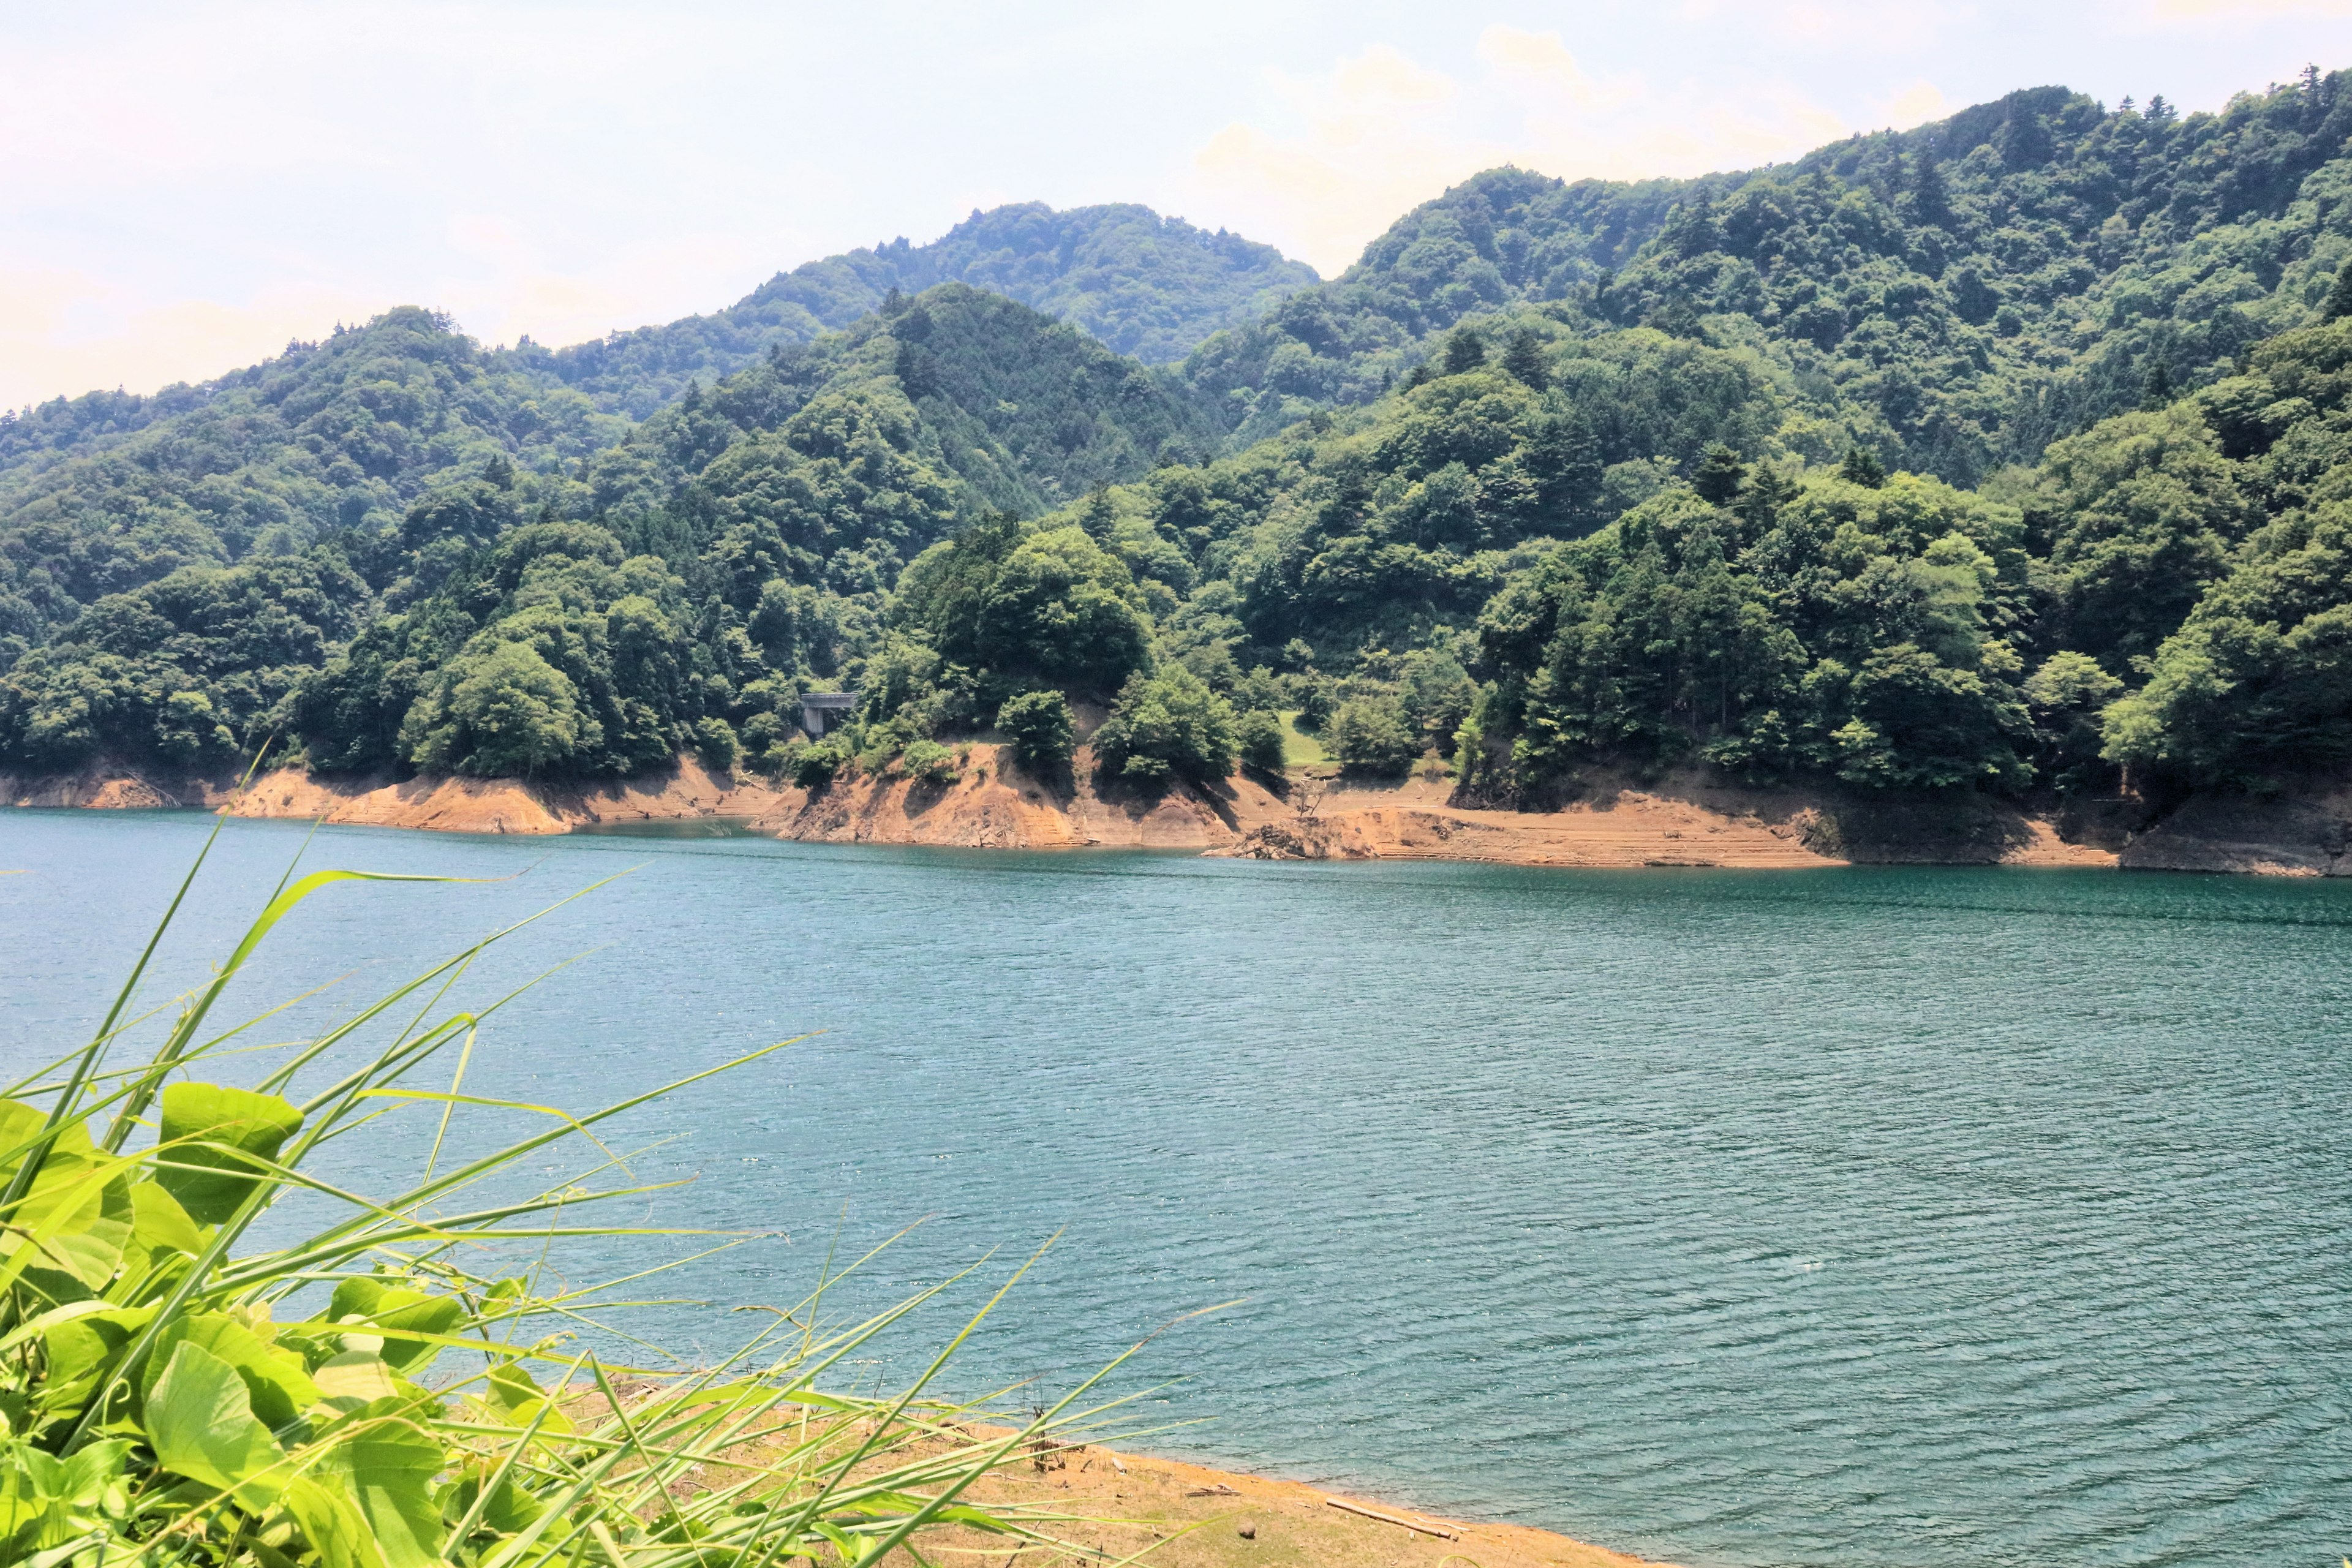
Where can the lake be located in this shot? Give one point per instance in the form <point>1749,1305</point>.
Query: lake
<point>1873,1215</point>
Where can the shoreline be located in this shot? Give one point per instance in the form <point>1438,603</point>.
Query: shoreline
<point>1290,1521</point>
<point>1685,820</point>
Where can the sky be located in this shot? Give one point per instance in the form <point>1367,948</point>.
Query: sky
<point>189,185</point>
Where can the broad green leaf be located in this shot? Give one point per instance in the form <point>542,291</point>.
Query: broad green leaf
<point>274,1379</point>
<point>333,1524</point>
<point>94,1477</point>
<point>353,1380</point>
<point>159,1224</point>
<point>92,1250</point>
<point>510,1509</point>
<point>74,1195</point>
<point>80,1348</point>
<point>213,1127</point>
<point>163,1244</point>
<point>514,1394</point>
<point>388,1463</point>
<point>200,1418</point>
<point>30,1485</point>
<point>46,1503</point>
<point>393,1307</point>
<point>21,1123</point>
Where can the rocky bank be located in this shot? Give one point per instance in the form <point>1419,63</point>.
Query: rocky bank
<point>1679,821</point>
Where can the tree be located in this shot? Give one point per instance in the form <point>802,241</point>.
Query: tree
<point>1166,726</point>
<point>1522,358</point>
<point>716,742</point>
<point>1258,735</point>
<point>1719,477</point>
<point>1465,351</point>
<point>2340,298</point>
<point>1370,735</point>
<point>1038,725</point>
<point>501,711</point>
<point>1437,695</point>
<point>2067,696</point>
<point>1065,611</point>
<point>1862,468</point>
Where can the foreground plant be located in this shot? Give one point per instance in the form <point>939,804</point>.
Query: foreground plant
<point>366,1394</point>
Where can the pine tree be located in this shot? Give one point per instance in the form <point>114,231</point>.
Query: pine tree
<point>2339,298</point>
<point>1464,351</point>
<point>1720,476</point>
<point>1927,189</point>
<point>1522,358</point>
<point>1863,467</point>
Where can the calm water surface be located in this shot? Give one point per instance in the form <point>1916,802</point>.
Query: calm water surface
<point>1901,1217</point>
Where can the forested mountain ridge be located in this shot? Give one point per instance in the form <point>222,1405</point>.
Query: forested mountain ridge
<point>1147,286</point>
<point>1995,459</point>
<point>1953,297</point>
<point>742,538</point>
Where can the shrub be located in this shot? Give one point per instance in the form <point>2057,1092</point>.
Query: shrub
<point>1167,725</point>
<point>763,730</point>
<point>1437,695</point>
<point>1039,727</point>
<point>716,743</point>
<point>928,762</point>
<point>1258,735</point>
<point>815,764</point>
<point>1370,735</point>
<point>1315,702</point>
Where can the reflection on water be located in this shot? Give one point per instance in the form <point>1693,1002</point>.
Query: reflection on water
<point>1877,1215</point>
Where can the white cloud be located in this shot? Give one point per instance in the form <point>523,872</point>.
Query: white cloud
<point>1381,133</point>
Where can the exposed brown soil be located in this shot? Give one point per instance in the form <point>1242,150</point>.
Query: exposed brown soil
<point>1190,1516</point>
<point>993,806</point>
<point>1677,821</point>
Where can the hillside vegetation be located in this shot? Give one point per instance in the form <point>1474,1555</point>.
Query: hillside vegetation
<point>2005,456</point>
<point>1143,284</point>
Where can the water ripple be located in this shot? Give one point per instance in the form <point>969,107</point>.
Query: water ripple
<point>1919,1217</point>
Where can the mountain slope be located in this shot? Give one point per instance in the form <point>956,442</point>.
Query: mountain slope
<point>579,613</point>
<point>1956,296</point>
<point>1147,286</point>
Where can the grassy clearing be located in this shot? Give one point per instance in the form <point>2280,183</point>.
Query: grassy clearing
<point>1303,750</point>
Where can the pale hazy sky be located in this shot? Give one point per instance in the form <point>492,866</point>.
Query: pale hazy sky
<point>188,185</point>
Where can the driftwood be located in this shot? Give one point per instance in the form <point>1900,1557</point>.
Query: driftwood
<point>1220,1489</point>
<point>1425,1526</point>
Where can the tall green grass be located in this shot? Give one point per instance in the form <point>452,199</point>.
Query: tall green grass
<point>365,1389</point>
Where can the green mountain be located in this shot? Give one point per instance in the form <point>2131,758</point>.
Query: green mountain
<point>744,535</point>
<point>1954,297</point>
<point>1145,285</point>
<point>1999,457</point>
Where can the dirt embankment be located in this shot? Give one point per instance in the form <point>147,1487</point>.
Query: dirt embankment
<point>447,805</point>
<point>1678,821</point>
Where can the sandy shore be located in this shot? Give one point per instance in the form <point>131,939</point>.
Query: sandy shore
<point>1194,1517</point>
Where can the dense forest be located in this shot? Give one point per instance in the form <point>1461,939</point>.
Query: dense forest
<point>2012,453</point>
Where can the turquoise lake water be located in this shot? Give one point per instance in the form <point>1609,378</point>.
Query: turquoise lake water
<point>1902,1216</point>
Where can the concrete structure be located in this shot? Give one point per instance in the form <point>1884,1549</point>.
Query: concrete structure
<point>824,710</point>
